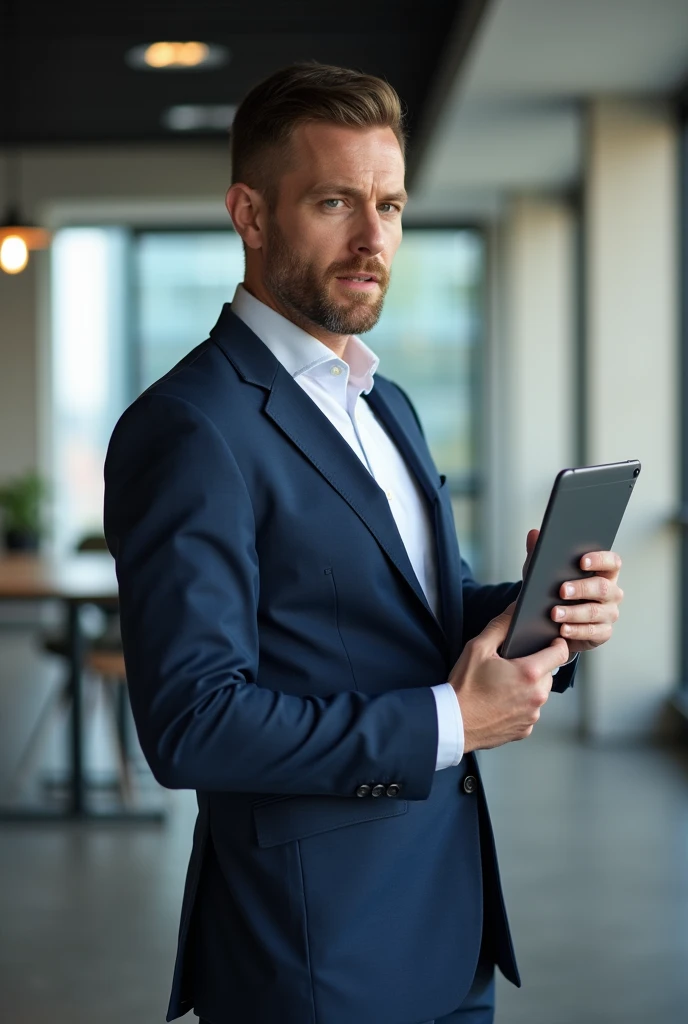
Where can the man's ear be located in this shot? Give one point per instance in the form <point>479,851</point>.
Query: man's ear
<point>246,208</point>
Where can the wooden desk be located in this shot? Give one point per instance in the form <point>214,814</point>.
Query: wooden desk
<point>87,578</point>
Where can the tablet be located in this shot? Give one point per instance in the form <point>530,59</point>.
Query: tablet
<point>583,514</point>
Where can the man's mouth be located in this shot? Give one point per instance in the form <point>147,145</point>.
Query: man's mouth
<point>360,282</point>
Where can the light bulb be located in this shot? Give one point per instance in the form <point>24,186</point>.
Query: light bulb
<point>166,55</point>
<point>177,56</point>
<point>14,254</point>
<point>191,54</point>
<point>159,55</point>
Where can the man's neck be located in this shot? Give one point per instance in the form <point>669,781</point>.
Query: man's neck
<point>336,342</point>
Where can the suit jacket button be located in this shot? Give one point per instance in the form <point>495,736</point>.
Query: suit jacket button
<point>363,790</point>
<point>393,789</point>
<point>470,784</point>
<point>378,790</point>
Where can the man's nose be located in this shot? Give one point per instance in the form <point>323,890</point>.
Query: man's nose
<point>368,240</point>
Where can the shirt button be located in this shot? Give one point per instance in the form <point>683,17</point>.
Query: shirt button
<point>335,371</point>
<point>389,495</point>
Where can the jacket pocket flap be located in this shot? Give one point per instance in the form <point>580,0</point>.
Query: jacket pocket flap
<point>284,819</point>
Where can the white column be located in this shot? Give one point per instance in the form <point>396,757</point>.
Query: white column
<point>530,374</point>
<point>631,270</point>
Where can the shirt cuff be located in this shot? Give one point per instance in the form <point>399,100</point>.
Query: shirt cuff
<point>565,665</point>
<point>450,739</point>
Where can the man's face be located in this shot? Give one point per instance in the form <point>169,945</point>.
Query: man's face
<point>337,217</point>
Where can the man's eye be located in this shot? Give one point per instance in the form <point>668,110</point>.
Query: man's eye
<point>332,201</point>
<point>390,206</point>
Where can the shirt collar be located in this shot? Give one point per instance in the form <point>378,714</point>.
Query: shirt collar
<point>303,355</point>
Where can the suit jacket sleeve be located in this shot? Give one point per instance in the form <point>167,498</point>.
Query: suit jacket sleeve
<point>179,521</point>
<point>483,601</point>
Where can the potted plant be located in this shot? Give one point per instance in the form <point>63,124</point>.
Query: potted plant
<point>21,501</point>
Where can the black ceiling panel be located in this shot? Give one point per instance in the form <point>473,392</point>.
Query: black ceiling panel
<point>64,79</point>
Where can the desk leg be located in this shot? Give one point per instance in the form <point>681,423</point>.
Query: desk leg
<point>76,658</point>
<point>77,809</point>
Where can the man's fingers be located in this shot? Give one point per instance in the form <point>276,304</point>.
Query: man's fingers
<point>595,611</point>
<point>596,588</point>
<point>531,540</point>
<point>597,633</point>
<point>601,561</point>
<point>537,665</point>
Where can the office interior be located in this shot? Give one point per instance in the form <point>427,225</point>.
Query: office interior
<point>538,318</point>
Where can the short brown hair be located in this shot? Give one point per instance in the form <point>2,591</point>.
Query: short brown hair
<point>307,91</point>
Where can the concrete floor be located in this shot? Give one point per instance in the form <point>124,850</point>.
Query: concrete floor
<point>594,851</point>
<point>594,854</point>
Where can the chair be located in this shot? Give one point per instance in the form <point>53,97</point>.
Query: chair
<point>104,666</point>
<point>108,665</point>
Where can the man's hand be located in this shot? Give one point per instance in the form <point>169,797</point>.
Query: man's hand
<point>500,699</point>
<point>586,626</point>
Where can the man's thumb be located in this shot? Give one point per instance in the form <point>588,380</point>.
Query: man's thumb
<point>496,629</point>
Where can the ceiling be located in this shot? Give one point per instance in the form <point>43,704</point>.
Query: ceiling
<point>513,117</point>
<point>495,90</point>
<point>64,79</point>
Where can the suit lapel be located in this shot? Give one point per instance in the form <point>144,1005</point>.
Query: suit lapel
<point>295,413</point>
<point>424,471</point>
<point>421,465</point>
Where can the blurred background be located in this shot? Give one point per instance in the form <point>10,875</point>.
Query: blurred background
<point>537,316</point>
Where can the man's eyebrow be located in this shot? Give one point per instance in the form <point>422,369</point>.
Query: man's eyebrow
<point>329,188</point>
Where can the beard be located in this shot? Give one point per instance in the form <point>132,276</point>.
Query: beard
<point>303,290</point>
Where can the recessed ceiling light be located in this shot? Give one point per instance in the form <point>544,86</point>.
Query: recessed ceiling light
<point>215,117</point>
<point>168,56</point>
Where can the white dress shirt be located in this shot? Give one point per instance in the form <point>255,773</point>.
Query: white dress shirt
<point>335,385</point>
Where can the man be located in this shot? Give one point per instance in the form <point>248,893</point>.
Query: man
<point>304,645</point>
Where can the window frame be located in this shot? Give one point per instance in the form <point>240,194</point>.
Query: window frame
<point>682,516</point>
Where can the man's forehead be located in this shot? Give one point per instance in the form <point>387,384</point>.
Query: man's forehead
<point>341,147</point>
<point>336,155</point>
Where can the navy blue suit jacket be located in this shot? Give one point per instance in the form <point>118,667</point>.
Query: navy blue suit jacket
<point>280,653</point>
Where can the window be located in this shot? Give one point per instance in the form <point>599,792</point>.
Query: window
<point>181,280</point>
<point>88,378</point>
<point>128,306</point>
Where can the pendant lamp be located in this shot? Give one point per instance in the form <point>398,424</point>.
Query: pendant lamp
<point>18,237</point>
